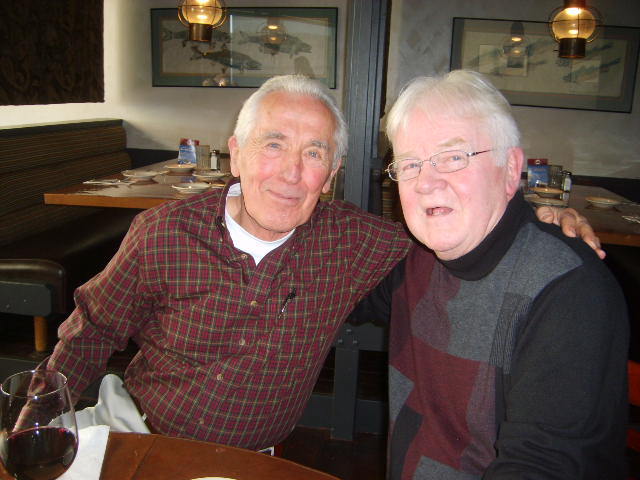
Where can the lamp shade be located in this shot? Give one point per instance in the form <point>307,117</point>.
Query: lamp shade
<point>201,16</point>
<point>572,26</point>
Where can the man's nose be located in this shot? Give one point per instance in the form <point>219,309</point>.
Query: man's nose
<point>429,179</point>
<point>292,166</point>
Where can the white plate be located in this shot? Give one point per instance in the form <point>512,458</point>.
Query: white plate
<point>550,202</point>
<point>602,202</point>
<point>214,478</point>
<point>142,174</point>
<point>210,175</point>
<point>180,167</point>
<point>194,187</point>
<point>547,192</point>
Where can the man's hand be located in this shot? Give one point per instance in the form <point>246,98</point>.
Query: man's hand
<point>573,225</point>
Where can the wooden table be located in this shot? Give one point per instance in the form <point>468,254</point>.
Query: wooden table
<point>140,194</point>
<point>134,456</point>
<point>608,223</point>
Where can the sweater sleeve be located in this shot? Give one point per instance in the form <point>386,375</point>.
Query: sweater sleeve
<point>565,399</point>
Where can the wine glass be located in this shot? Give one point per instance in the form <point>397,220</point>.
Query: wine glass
<point>38,431</point>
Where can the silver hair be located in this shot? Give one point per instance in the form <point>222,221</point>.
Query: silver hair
<point>298,84</point>
<point>462,94</point>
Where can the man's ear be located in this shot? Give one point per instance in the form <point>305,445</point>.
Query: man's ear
<point>232,143</point>
<point>327,185</point>
<point>515,160</point>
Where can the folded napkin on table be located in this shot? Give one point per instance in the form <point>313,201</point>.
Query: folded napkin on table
<point>87,465</point>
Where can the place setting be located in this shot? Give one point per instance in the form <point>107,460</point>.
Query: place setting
<point>546,196</point>
<point>142,175</point>
<point>607,202</point>
<point>210,176</point>
<point>188,188</point>
<point>180,168</point>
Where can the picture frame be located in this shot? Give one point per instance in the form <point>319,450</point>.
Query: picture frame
<point>534,75</point>
<point>240,54</point>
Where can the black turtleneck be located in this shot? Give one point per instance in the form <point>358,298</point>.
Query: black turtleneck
<point>481,261</point>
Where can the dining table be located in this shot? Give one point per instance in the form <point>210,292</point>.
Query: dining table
<point>614,224</point>
<point>121,191</point>
<point>617,225</point>
<point>137,456</point>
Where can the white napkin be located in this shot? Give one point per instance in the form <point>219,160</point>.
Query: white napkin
<point>91,447</point>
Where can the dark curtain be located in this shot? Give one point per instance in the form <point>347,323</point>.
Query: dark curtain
<point>51,51</point>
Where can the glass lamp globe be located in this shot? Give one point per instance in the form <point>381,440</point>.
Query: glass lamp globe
<point>201,16</point>
<point>572,26</point>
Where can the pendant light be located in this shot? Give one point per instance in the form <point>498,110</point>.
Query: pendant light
<point>201,16</point>
<point>572,26</point>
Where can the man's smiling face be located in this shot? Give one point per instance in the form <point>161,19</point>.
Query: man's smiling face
<point>452,213</point>
<point>284,165</point>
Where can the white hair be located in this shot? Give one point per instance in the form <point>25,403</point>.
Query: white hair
<point>297,84</point>
<point>460,93</point>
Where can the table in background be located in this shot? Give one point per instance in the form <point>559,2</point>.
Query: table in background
<point>134,456</point>
<point>140,194</point>
<point>608,223</point>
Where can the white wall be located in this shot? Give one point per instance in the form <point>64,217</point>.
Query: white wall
<point>586,142</point>
<point>157,117</point>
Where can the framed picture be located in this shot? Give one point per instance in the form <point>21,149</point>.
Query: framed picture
<point>529,71</point>
<point>244,51</point>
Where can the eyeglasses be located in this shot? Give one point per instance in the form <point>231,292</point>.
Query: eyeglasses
<point>444,162</point>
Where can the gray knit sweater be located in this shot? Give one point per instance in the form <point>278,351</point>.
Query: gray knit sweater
<point>508,362</point>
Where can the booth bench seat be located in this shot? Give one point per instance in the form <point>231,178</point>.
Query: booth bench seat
<point>46,251</point>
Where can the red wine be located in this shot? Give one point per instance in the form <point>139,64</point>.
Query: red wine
<point>40,453</point>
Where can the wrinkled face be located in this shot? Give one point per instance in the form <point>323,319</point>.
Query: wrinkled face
<point>452,213</point>
<point>284,165</point>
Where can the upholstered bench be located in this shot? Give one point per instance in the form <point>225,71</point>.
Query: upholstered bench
<point>46,251</point>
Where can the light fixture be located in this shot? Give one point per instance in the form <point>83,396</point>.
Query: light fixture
<point>514,45</point>
<point>273,34</point>
<point>201,16</point>
<point>572,26</point>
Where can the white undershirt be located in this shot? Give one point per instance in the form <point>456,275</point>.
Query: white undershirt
<point>243,240</point>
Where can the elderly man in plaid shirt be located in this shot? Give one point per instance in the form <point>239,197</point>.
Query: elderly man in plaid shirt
<point>234,296</point>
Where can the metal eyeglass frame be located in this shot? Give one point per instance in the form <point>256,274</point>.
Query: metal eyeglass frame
<point>391,170</point>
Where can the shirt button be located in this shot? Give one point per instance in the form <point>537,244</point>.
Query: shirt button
<point>254,303</point>
<point>242,342</point>
<point>219,376</point>
<point>201,421</point>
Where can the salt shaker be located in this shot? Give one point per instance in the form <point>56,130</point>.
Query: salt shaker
<point>566,186</point>
<point>213,162</point>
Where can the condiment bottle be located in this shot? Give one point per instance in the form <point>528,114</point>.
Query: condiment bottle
<point>566,185</point>
<point>213,163</point>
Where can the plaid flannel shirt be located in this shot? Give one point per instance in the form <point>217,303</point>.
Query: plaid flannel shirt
<point>220,359</point>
